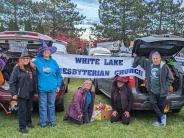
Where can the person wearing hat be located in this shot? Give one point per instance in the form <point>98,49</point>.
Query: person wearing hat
<point>49,82</point>
<point>121,100</point>
<point>23,85</point>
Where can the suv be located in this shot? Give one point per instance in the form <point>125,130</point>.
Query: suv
<point>167,45</point>
<point>12,43</point>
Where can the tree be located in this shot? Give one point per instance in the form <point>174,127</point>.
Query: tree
<point>2,28</point>
<point>62,16</point>
<point>12,26</point>
<point>120,18</point>
<point>28,25</point>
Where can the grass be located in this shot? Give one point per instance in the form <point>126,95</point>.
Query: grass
<point>140,126</point>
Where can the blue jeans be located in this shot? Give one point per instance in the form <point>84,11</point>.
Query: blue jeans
<point>47,108</point>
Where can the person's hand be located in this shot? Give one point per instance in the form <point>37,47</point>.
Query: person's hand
<point>134,54</point>
<point>127,114</point>
<point>114,113</point>
<point>58,89</point>
<point>80,116</point>
<point>14,97</point>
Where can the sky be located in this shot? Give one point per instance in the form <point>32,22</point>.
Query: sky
<point>89,8</point>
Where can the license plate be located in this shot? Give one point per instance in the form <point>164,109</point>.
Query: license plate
<point>17,46</point>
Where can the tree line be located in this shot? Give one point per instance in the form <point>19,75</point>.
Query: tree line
<point>60,16</point>
<point>127,19</point>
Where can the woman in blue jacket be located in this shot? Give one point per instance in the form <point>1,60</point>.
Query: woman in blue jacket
<point>49,82</point>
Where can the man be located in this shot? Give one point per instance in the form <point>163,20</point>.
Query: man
<point>158,78</point>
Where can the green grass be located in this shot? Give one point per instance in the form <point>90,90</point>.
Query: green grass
<point>140,126</point>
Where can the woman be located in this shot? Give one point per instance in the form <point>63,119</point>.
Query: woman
<point>121,100</point>
<point>49,82</point>
<point>23,85</point>
<point>81,109</point>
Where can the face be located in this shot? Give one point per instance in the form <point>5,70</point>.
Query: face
<point>156,59</point>
<point>88,85</point>
<point>46,53</point>
<point>26,60</point>
<point>120,84</point>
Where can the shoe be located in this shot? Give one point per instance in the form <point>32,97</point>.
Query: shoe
<point>30,126</point>
<point>24,131</point>
<point>43,126</point>
<point>163,120</point>
<point>156,123</point>
<point>52,125</point>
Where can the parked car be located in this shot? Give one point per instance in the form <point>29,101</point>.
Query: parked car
<point>12,43</point>
<point>167,45</point>
<point>99,51</point>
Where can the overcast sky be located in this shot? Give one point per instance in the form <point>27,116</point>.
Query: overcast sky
<point>89,8</point>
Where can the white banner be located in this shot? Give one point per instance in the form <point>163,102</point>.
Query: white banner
<point>80,66</point>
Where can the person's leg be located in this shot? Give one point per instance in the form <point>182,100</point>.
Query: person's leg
<point>85,118</point>
<point>75,121</point>
<point>29,114</point>
<point>154,103</point>
<point>161,104</point>
<point>22,113</point>
<point>51,107</point>
<point>125,120</point>
<point>43,109</point>
<point>115,118</point>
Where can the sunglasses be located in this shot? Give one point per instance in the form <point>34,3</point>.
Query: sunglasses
<point>26,58</point>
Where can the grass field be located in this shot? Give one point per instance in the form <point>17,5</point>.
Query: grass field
<point>140,126</point>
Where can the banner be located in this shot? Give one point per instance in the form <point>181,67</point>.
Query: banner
<point>81,66</point>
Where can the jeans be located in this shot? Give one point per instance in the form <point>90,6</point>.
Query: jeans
<point>47,108</point>
<point>157,103</point>
<point>24,112</point>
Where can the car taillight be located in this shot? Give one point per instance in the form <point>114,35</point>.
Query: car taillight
<point>132,82</point>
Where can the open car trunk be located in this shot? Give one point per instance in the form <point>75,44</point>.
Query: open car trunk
<point>11,57</point>
<point>167,46</point>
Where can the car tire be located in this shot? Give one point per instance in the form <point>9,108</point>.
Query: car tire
<point>176,110</point>
<point>97,91</point>
<point>60,106</point>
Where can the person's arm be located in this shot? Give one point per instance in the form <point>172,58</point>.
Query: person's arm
<point>170,77</point>
<point>76,102</point>
<point>130,100</point>
<point>59,76</point>
<point>112,99</point>
<point>14,80</point>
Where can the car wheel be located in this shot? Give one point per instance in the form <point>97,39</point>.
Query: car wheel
<point>97,91</point>
<point>60,106</point>
<point>176,110</point>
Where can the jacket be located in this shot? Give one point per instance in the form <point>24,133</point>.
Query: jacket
<point>76,107</point>
<point>125,96</point>
<point>166,76</point>
<point>49,74</point>
<point>19,84</point>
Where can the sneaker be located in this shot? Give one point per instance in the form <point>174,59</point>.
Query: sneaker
<point>52,125</point>
<point>156,123</point>
<point>30,126</point>
<point>23,131</point>
<point>163,120</point>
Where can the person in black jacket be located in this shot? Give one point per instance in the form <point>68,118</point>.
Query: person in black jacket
<point>23,85</point>
<point>121,100</point>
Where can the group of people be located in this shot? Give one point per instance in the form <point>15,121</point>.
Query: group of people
<point>43,76</point>
<point>158,79</point>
